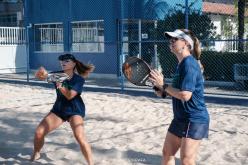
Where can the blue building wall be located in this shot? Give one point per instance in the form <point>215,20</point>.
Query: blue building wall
<point>67,11</point>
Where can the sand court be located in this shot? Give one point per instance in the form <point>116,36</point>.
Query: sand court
<point>121,128</point>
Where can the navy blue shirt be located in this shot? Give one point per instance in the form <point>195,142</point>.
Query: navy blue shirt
<point>66,108</point>
<point>188,77</point>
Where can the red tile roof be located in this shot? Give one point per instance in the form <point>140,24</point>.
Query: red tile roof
<point>220,8</point>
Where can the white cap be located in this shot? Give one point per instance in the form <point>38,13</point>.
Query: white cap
<point>180,34</point>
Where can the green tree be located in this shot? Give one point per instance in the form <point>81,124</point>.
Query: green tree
<point>199,23</point>
<point>239,19</point>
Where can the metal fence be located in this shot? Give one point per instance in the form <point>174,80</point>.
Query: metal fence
<point>12,35</point>
<point>217,25</point>
<point>222,61</point>
<point>13,50</point>
<point>224,54</point>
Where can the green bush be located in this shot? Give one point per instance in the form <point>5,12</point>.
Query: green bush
<point>218,66</point>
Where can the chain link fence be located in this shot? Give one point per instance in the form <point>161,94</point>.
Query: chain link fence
<point>224,52</point>
<point>224,55</point>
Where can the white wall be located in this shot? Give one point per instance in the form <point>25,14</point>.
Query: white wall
<point>13,58</point>
<point>216,19</point>
<point>222,45</point>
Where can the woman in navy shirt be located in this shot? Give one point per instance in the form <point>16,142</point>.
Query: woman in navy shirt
<point>68,106</point>
<point>191,119</point>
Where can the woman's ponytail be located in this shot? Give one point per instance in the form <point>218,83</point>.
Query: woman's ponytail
<point>84,69</point>
<point>196,52</point>
<point>197,48</point>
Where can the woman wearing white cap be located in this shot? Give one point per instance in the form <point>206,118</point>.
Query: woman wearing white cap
<point>191,119</point>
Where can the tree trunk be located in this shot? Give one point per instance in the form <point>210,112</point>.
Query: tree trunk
<point>241,18</point>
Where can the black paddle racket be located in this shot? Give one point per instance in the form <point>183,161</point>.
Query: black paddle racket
<point>137,71</point>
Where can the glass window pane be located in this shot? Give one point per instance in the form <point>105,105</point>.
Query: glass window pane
<point>88,36</point>
<point>49,38</point>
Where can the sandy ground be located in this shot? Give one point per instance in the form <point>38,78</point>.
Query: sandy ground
<point>122,129</point>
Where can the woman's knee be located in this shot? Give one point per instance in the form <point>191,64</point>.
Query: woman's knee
<point>164,152</point>
<point>170,148</point>
<point>167,156</point>
<point>40,132</point>
<point>167,153</point>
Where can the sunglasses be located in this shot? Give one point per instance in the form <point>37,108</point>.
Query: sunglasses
<point>66,57</point>
<point>173,40</point>
<point>65,61</point>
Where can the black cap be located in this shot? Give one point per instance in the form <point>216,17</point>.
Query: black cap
<point>67,57</point>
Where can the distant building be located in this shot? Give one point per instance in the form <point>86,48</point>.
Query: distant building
<point>220,1</point>
<point>223,14</point>
<point>11,13</point>
<point>91,29</point>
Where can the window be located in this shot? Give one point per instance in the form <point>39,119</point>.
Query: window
<point>49,38</point>
<point>88,36</point>
<point>8,20</point>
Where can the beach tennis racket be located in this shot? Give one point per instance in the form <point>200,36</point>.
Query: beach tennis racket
<point>55,76</point>
<point>137,71</point>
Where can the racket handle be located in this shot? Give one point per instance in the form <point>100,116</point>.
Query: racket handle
<point>164,94</point>
<point>155,88</point>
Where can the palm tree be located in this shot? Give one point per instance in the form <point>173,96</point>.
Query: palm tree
<point>155,9</point>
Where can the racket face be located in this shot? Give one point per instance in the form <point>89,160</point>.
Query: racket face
<point>136,71</point>
<point>57,77</point>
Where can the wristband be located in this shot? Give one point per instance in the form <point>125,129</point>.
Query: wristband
<point>164,93</point>
<point>155,88</point>
<point>165,86</point>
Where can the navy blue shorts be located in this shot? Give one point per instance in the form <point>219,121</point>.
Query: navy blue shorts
<point>66,116</point>
<point>191,130</point>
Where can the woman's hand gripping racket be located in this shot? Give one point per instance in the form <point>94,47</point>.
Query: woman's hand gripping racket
<point>137,71</point>
<point>58,76</point>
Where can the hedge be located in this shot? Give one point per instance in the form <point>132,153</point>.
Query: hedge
<point>218,66</point>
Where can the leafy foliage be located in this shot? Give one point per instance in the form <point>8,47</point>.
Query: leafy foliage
<point>218,66</point>
<point>199,23</point>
